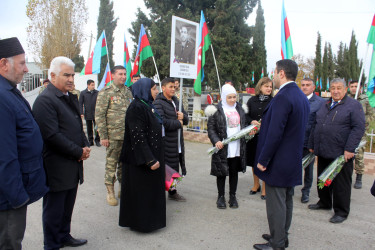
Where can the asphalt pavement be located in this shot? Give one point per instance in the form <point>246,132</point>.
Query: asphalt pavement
<point>198,224</point>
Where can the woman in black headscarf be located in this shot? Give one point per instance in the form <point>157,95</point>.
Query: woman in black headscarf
<point>142,206</point>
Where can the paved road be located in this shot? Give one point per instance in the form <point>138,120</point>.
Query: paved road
<point>198,224</point>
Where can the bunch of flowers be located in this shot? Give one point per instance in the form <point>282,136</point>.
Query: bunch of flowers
<point>240,134</point>
<point>325,179</point>
<point>307,160</point>
<point>172,178</point>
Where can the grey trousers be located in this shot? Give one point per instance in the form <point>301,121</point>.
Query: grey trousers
<point>12,228</point>
<point>279,204</point>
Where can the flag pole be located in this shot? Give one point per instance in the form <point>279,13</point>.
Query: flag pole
<point>217,72</point>
<point>106,46</point>
<point>180,109</point>
<point>360,76</point>
<point>157,72</point>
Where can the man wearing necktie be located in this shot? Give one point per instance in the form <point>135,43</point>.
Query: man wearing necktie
<point>339,127</point>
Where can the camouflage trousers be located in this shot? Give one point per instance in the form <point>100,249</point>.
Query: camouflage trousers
<point>359,162</point>
<point>113,166</point>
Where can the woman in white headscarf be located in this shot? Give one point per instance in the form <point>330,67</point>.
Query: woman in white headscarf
<point>227,118</point>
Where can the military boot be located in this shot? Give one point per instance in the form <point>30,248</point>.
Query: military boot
<point>111,199</point>
<point>119,190</point>
<point>358,182</point>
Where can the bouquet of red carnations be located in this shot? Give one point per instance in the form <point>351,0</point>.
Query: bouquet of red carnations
<point>325,179</point>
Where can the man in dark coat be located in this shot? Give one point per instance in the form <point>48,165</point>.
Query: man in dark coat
<point>339,127</point>
<point>184,48</point>
<point>65,147</point>
<point>166,104</point>
<point>279,152</point>
<point>308,88</point>
<point>22,177</point>
<point>87,103</point>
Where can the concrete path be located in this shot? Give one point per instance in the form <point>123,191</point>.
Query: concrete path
<point>198,224</point>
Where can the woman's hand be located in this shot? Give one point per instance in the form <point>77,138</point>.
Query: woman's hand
<point>255,122</point>
<point>219,145</point>
<point>155,166</point>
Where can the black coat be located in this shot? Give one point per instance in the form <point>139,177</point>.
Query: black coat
<point>217,131</point>
<point>142,205</point>
<point>255,112</point>
<point>171,126</point>
<point>338,129</point>
<point>87,103</point>
<point>60,123</point>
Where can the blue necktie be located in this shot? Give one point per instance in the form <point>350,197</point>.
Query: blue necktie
<point>333,104</point>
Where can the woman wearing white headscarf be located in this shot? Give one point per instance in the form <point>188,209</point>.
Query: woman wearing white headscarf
<point>227,118</point>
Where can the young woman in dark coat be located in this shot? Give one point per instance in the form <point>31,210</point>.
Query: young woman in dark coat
<point>223,121</point>
<point>256,105</point>
<point>142,205</point>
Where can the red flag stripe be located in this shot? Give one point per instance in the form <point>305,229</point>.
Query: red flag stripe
<point>103,43</point>
<point>286,26</point>
<point>144,43</point>
<point>373,22</point>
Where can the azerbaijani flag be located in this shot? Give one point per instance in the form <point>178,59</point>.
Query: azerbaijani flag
<point>371,84</point>
<point>317,82</point>
<point>327,87</point>
<point>321,87</point>
<point>127,64</point>
<point>286,40</point>
<point>261,76</point>
<point>204,45</point>
<point>143,52</point>
<point>252,76</point>
<point>93,64</point>
<point>107,78</point>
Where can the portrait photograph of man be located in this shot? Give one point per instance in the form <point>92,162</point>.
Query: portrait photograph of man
<point>185,43</point>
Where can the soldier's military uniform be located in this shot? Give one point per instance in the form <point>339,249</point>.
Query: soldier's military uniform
<point>369,115</point>
<point>111,106</point>
<point>185,101</point>
<point>76,92</point>
<point>41,89</point>
<point>185,54</point>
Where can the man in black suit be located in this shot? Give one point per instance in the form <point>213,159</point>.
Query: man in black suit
<point>87,103</point>
<point>184,48</point>
<point>65,147</point>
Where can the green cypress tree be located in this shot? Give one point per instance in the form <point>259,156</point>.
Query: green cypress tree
<point>318,58</point>
<point>108,23</point>
<point>259,54</point>
<point>331,63</point>
<point>354,67</point>
<point>324,73</point>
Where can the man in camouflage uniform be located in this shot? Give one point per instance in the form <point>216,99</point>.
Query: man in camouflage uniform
<point>111,106</point>
<point>185,101</point>
<point>75,91</point>
<point>369,114</point>
<point>44,86</point>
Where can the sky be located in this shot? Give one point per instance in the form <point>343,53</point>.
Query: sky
<point>334,19</point>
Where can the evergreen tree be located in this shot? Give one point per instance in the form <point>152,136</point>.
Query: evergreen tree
<point>339,61</point>
<point>318,58</point>
<point>324,73</point>
<point>108,23</point>
<point>259,53</point>
<point>229,34</point>
<point>331,63</point>
<point>354,67</point>
<point>79,62</point>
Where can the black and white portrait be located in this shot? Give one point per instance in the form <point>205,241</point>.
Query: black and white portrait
<point>185,43</point>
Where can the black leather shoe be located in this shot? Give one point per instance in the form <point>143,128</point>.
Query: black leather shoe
<point>337,219</point>
<point>254,192</point>
<point>317,207</point>
<point>74,242</point>
<point>221,202</point>
<point>267,246</point>
<point>91,144</point>
<point>267,237</point>
<point>304,198</point>
<point>233,201</point>
<point>98,144</point>
<point>263,197</point>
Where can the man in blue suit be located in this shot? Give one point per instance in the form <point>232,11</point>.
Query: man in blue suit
<point>22,177</point>
<point>279,152</point>
<point>308,88</point>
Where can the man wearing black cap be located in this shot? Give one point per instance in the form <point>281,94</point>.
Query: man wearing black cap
<point>22,177</point>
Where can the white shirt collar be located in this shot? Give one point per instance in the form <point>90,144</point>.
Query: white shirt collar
<point>309,96</point>
<point>282,86</point>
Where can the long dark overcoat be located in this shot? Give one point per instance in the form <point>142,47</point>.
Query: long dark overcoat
<point>60,123</point>
<point>281,137</point>
<point>142,206</point>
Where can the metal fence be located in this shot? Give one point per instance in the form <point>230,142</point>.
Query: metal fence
<point>197,123</point>
<point>371,135</point>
